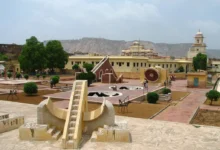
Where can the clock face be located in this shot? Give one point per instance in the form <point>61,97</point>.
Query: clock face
<point>151,75</point>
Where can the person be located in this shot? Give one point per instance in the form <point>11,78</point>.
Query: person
<point>146,83</point>
<point>165,84</point>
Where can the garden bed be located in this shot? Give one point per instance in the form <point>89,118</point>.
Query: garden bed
<point>137,110</point>
<point>207,117</point>
<point>23,98</point>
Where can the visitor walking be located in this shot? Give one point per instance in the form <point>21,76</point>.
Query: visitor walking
<point>146,84</point>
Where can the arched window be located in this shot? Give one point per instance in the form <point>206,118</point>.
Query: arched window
<point>100,74</point>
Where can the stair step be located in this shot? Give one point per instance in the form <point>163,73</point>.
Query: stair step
<point>73,117</point>
<point>71,130</point>
<point>70,143</point>
<point>51,130</point>
<point>74,107</point>
<point>77,95</point>
<point>56,135</point>
<point>72,123</point>
<point>74,112</point>
<point>70,136</point>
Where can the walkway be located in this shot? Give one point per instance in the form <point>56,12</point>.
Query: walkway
<point>185,109</point>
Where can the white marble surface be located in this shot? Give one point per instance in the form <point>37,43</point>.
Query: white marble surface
<point>146,135</point>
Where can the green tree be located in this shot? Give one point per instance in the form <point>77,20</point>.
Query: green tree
<point>152,97</point>
<point>3,57</point>
<point>32,56</point>
<point>18,75</point>
<point>88,67</point>
<point>200,62</point>
<point>213,95</point>
<point>56,56</point>
<point>75,67</point>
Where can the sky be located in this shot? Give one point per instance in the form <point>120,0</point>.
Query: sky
<point>159,21</point>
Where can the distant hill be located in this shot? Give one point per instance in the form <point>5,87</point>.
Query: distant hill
<point>114,47</point>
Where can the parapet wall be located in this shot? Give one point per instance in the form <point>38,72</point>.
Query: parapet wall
<point>7,124</point>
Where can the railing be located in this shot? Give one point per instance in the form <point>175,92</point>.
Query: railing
<point>127,97</point>
<point>101,62</point>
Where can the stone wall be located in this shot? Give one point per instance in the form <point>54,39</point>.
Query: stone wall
<point>129,75</point>
<point>7,123</point>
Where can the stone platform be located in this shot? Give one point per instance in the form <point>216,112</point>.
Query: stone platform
<point>131,94</point>
<point>146,134</point>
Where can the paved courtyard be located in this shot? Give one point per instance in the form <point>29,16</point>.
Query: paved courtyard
<point>185,109</point>
<point>146,134</point>
<point>105,87</point>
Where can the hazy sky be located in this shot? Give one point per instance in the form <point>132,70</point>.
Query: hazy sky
<point>170,21</point>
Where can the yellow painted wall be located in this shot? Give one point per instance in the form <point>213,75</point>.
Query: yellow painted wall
<point>202,76</point>
<point>163,74</point>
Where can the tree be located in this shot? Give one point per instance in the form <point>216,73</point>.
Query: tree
<point>32,56</point>
<point>213,95</point>
<point>86,76</point>
<point>181,69</point>
<point>38,76</point>
<point>88,67</point>
<point>30,88</point>
<point>56,56</point>
<point>200,62</point>
<point>152,97</point>
<point>75,67</point>
<point>3,57</point>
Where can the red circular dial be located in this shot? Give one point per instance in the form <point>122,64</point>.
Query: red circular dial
<point>151,75</point>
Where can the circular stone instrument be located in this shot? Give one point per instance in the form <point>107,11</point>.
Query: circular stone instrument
<point>152,75</point>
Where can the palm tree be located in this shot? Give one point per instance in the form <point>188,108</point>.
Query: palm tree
<point>213,95</point>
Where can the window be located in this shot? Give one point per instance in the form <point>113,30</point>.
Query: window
<point>93,62</point>
<point>97,62</point>
<point>149,65</point>
<point>72,62</point>
<point>198,41</point>
<point>137,64</point>
<point>112,63</point>
<point>175,65</point>
<point>84,62</point>
<point>162,65</point>
<point>145,64</point>
<point>134,64</point>
<point>119,64</point>
<point>128,64</point>
<point>141,64</point>
<point>197,49</point>
<point>170,65</point>
<point>167,65</point>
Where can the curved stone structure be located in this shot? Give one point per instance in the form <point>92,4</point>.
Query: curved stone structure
<point>152,74</point>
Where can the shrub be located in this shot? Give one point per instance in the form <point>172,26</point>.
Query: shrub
<point>18,75</point>
<point>152,97</point>
<point>30,88</point>
<point>38,76</point>
<point>166,91</point>
<point>3,73</point>
<point>86,76</point>
<point>26,76</point>
<point>88,67</point>
<point>44,76</point>
<point>9,74</point>
<point>181,69</point>
<point>55,79</point>
<point>75,67</point>
<point>213,95</point>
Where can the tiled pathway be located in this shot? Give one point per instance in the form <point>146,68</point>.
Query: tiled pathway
<point>185,109</point>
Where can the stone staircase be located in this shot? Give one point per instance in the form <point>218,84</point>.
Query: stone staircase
<point>70,140</point>
<point>54,133</point>
<point>39,132</point>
